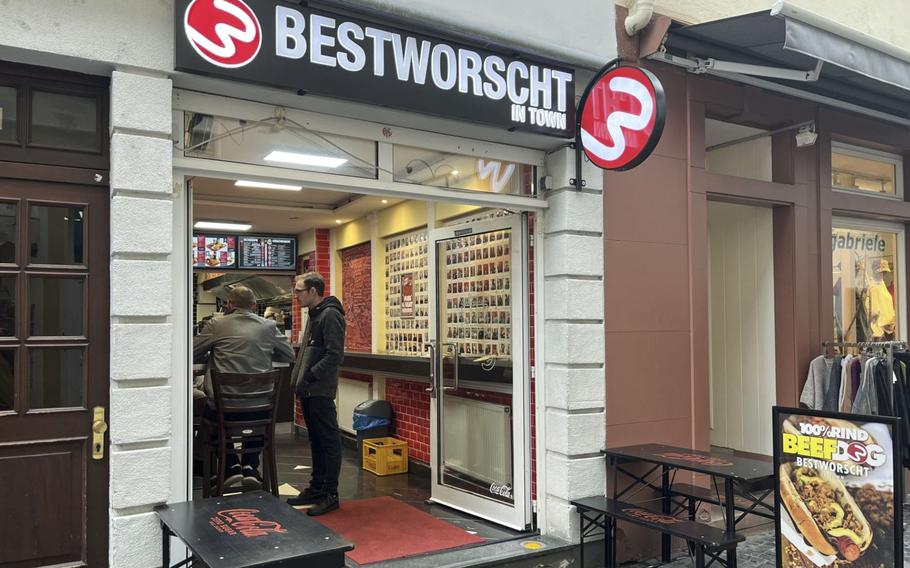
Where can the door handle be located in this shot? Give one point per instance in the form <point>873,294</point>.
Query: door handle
<point>99,427</point>
<point>431,347</point>
<point>455,356</point>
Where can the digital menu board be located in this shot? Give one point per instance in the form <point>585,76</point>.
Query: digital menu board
<point>215,251</point>
<point>268,252</point>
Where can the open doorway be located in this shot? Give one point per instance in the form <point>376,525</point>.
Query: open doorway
<point>741,324</point>
<point>435,296</point>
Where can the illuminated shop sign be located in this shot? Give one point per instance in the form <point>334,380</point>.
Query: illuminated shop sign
<point>324,53</point>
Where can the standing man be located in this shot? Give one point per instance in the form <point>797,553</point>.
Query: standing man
<point>315,380</point>
<point>240,342</point>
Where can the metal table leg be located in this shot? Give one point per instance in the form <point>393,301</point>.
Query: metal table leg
<point>730,507</point>
<point>165,546</point>
<point>665,508</point>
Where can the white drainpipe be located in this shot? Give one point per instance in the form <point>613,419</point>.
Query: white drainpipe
<point>639,16</point>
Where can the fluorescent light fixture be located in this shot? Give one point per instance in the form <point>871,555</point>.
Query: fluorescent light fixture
<point>384,201</point>
<point>304,159</point>
<point>338,221</point>
<point>266,185</point>
<point>222,226</point>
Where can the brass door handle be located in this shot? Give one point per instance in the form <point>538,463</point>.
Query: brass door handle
<point>99,427</point>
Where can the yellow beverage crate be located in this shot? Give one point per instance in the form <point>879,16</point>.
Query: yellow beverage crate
<point>385,456</point>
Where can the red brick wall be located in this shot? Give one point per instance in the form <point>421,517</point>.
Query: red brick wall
<point>357,296</point>
<point>411,416</point>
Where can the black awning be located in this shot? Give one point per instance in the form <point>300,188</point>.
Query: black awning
<point>855,68</point>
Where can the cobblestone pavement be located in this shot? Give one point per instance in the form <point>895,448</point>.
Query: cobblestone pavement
<point>756,552</point>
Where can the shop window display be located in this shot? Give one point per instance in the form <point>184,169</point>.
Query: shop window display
<point>866,277</point>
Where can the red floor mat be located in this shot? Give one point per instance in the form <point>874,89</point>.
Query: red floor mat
<point>384,528</point>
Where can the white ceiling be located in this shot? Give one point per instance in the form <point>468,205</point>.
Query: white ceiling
<point>279,211</point>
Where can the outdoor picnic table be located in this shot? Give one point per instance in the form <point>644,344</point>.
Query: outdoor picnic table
<point>747,482</point>
<point>246,530</point>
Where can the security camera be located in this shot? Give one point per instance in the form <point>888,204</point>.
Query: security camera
<point>806,136</point>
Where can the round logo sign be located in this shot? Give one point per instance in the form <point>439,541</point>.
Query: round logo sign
<point>225,33</point>
<point>622,117</point>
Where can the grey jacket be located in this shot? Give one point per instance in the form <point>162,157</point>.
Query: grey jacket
<point>322,351</point>
<point>241,342</point>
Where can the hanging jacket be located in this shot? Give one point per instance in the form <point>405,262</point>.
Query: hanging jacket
<point>844,402</point>
<point>813,395</point>
<point>883,388</point>
<point>866,400</point>
<point>832,391</point>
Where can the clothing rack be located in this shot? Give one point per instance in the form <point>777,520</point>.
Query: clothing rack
<point>887,347</point>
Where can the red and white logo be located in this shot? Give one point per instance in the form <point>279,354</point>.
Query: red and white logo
<point>622,117</point>
<point>225,33</point>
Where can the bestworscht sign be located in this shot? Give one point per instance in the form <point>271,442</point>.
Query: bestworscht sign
<point>315,51</point>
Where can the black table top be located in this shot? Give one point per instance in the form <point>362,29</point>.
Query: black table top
<point>250,529</point>
<point>718,465</point>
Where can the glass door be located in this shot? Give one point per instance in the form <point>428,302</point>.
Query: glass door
<point>479,417</point>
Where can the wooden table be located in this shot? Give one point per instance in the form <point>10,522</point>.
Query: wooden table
<point>743,478</point>
<point>246,530</point>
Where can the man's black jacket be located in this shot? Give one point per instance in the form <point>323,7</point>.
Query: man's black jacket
<point>322,350</point>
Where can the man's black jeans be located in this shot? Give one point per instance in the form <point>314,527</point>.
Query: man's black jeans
<point>325,443</point>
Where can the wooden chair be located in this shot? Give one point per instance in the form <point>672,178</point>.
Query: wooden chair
<point>236,395</point>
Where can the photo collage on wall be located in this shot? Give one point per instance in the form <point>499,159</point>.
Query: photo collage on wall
<point>407,295</point>
<point>478,294</point>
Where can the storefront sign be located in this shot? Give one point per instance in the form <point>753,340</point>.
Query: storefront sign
<point>622,117</point>
<point>839,489</point>
<point>314,51</point>
<point>845,240</point>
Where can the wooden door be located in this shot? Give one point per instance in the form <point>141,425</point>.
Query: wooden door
<point>54,349</point>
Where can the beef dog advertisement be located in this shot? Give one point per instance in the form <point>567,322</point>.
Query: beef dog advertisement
<point>838,493</point>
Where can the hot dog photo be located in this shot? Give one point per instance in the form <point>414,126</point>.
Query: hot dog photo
<point>836,488</point>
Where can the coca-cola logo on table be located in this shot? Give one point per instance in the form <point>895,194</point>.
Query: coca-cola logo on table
<point>245,522</point>
<point>651,516</point>
<point>225,33</point>
<point>709,461</point>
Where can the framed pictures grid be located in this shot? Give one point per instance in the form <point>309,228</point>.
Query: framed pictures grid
<point>407,319</point>
<point>478,294</point>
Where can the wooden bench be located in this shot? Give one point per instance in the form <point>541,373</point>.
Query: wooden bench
<point>600,512</point>
<point>694,494</point>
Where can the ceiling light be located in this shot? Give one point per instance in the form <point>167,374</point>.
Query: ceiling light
<point>338,221</point>
<point>222,225</point>
<point>304,159</point>
<point>384,201</point>
<point>266,185</point>
<point>455,173</point>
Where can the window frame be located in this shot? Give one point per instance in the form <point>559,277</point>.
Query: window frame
<point>855,151</point>
<point>900,256</point>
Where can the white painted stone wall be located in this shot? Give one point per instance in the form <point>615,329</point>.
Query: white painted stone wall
<point>574,385</point>
<point>142,315</point>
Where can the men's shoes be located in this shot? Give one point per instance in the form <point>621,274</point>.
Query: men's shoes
<point>232,476</point>
<point>309,496</point>
<point>325,505</point>
<point>251,478</point>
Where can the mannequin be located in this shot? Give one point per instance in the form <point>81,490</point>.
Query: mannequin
<point>881,303</point>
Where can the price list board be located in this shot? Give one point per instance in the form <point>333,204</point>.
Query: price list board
<point>268,253</point>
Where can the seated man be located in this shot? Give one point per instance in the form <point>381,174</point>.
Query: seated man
<point>240,342</point>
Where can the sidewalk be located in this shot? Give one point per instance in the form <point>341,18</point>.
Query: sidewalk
<point>756,552</point>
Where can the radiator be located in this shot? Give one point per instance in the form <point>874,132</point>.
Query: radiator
<point>478,439</point>
<point>350,394</point>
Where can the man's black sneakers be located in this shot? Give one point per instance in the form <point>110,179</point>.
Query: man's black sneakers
<point>251,478</point>
<point>309,496</point>
<point>325,505</point>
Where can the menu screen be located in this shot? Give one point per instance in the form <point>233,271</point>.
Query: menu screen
<point>268,253</point>
<point>214,251</point>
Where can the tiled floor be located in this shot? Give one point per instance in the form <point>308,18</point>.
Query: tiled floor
<point>355,483</point>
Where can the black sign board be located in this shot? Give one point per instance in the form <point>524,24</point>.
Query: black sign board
<point>310,50</point>
<point>268,252</point>
<point>839,489</point>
